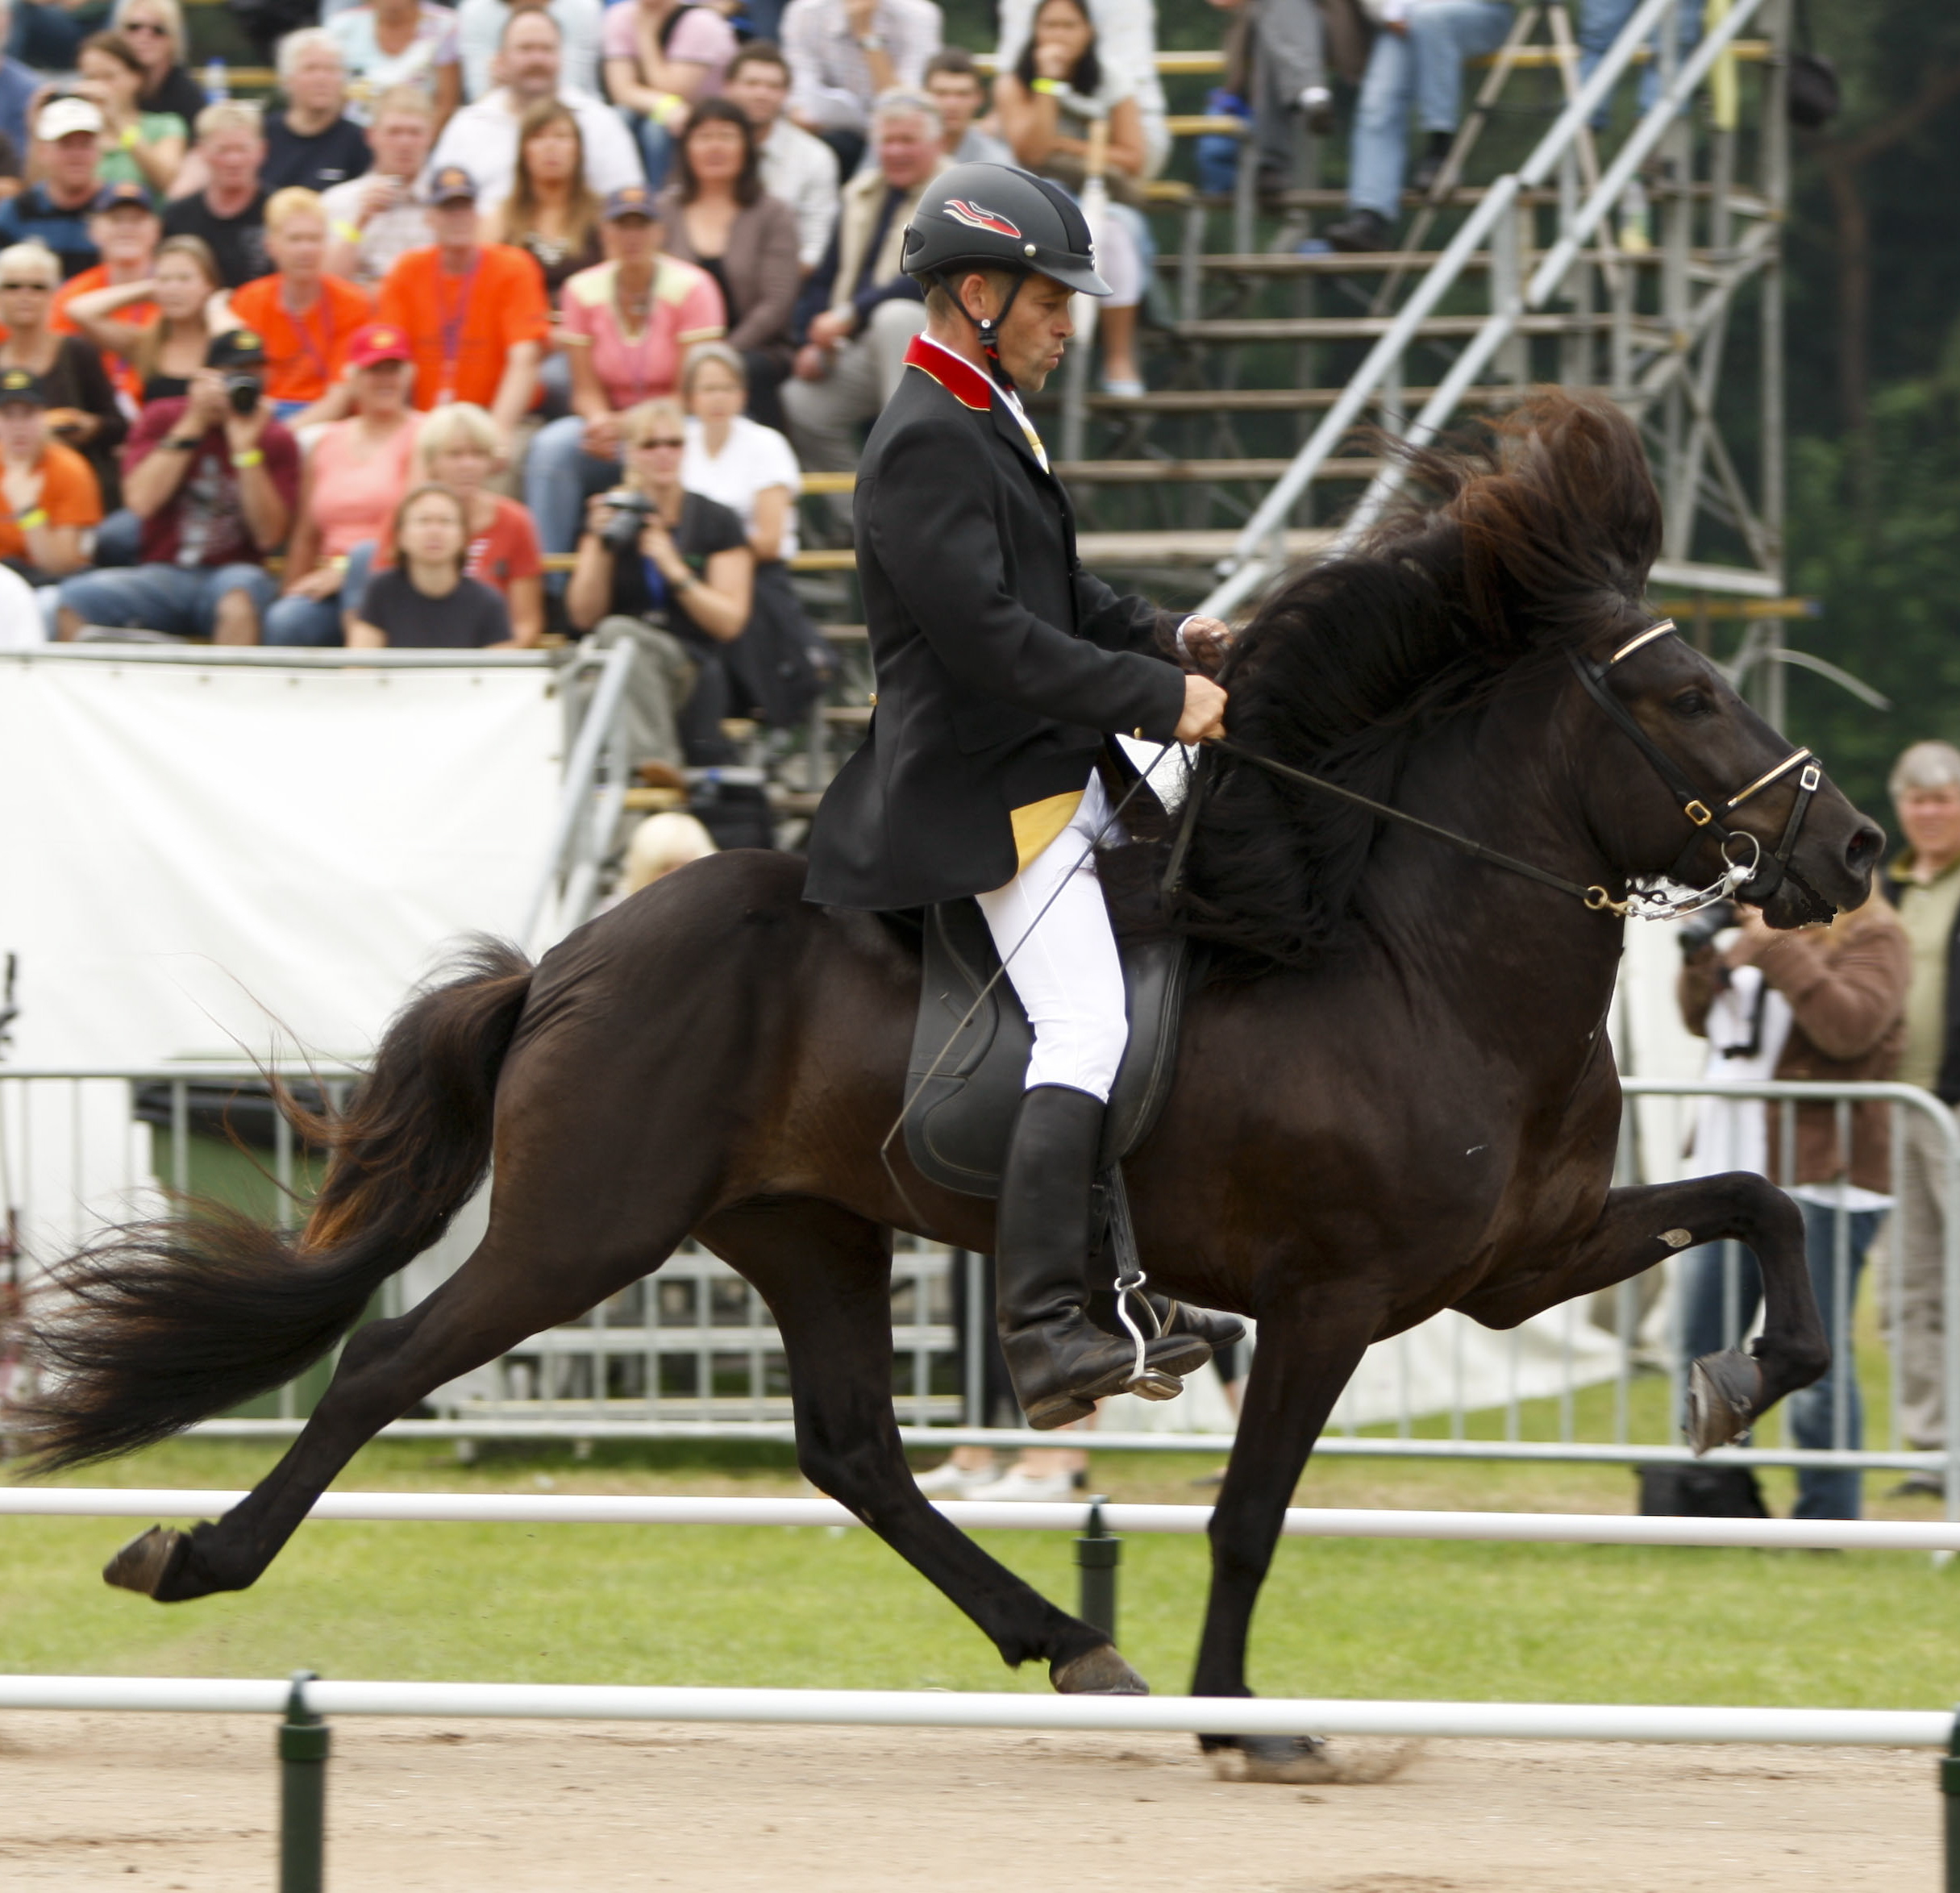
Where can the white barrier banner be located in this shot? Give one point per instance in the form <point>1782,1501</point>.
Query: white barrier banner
<point>204,857</point>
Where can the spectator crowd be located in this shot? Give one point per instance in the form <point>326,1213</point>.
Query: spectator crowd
<point>610,277</point>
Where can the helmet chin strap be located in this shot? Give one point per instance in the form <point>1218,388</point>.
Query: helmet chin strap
<point>988,328</point>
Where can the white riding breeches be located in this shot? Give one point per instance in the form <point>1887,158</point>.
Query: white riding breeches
<point>1063,961</point>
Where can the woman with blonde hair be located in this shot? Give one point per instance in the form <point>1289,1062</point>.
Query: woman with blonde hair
<point>155,31</point>
<point>82,411</point>
<point>191,308</point>
<point>672,572</point>
<point>553,213</point>
<point>458,448</point>
<point>307,317</point>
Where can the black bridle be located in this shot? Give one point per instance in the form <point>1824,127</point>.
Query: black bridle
<point>1763,875</point>
<point>1754,878</point>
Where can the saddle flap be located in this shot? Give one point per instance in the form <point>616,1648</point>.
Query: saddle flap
<point>970,1054</point>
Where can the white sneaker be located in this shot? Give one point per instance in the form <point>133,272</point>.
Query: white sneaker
<point>1027,1488</point>
<point>950,1481</point>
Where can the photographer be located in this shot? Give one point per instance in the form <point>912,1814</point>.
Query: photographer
<point>213,479</point>
<point>672,571</point>
<point>1826,1004</point>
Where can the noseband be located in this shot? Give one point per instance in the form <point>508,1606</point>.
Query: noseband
<point>1754,876</point>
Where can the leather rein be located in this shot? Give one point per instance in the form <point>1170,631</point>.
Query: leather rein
<point>1752,876</point>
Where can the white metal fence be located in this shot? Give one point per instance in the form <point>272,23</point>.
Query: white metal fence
<point>691,1351</point>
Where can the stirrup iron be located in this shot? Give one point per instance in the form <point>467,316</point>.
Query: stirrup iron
<point>1147,1383</point>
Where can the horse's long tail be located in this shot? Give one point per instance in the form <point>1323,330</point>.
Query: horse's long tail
<point>161,1324</point>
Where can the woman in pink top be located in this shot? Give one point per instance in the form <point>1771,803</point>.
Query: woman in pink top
<point>625,327</point>
<point>355,475</point>
<point>661,56</point>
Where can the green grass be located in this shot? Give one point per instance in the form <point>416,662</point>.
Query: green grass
<point>692,1605</point>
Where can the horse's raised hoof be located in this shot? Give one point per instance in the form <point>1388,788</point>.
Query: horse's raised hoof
<point>148,1561</point>
<point>1099,1671</point>
<point>1723,1393</point>
<point>1305,1759</point>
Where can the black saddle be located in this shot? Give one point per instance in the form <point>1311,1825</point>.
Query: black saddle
<point>965,1080</point>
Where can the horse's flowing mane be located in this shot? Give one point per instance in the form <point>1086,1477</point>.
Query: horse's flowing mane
<point>1536,536</point>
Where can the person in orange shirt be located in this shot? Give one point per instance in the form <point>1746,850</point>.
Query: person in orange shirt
<point>125,229</point>
<point>475,312</point>
<point>306,317</point>
<point>47,493</point>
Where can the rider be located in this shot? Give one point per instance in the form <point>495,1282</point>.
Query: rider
<point>1002,666</point>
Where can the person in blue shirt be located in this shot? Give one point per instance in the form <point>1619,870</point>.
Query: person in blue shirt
<point>18,83</point>
<point>55,212</point>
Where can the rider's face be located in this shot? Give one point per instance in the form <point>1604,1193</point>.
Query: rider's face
<point>1036,328</point>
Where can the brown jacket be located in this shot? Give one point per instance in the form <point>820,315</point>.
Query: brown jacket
<point>760,264</point>
<point>1846,986</point>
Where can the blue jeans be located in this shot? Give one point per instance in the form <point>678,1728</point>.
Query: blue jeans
<point>655,143</point>
<point>1716,1310</point>
<point>559,476</point>
<point>316,622</point>
<point>180,599</point>
<point>1423,68</point>
<point>1601,21</point>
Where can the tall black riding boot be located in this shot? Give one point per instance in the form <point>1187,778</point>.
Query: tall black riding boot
<point>1061,1363</point>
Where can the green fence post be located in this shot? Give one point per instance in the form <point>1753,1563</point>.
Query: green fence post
<point>1097,1555</point>
<point>303,1742</point>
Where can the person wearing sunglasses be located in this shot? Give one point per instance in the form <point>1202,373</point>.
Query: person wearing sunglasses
<point>155,31</point>
<point>72,390</point>
<point>670,571</point>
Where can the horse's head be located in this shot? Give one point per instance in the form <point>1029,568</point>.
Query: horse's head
<point>1686,782</point>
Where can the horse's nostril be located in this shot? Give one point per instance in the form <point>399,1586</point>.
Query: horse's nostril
<point>1862,849</point>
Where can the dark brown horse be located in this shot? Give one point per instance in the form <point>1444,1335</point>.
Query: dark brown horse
<point>1395,1093</point>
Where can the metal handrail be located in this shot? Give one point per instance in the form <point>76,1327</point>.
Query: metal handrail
<point>1252,563</point>
<point>581,778</point>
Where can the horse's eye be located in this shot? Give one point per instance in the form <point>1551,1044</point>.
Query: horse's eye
<point>1690,703</point>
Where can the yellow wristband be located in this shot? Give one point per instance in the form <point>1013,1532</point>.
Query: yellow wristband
<point>128,141</point>
<point>665,103</point>
<point>37,517</point>
<point>255,457</point>
<point>350,231</point>
<point>1049,85</point>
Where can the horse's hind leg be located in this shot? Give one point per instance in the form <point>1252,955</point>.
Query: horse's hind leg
<point>511,1287</point>
<point>826,1276</point>
<point>1729,1393</point>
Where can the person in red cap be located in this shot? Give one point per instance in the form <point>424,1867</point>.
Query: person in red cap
<point>355,476</point>
<point>307,317</point>
<point>475,312</point>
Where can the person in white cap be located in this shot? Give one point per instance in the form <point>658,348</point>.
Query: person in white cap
<point>55,212</point>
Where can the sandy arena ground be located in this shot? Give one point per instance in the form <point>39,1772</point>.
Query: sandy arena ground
<point>188,1803</point>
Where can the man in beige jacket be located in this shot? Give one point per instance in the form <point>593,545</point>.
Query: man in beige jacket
<point>853,352</point>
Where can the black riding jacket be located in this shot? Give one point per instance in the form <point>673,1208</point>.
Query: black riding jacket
<point>1001,664</point>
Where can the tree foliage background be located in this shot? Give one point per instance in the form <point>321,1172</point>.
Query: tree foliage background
<point>1873,291</point>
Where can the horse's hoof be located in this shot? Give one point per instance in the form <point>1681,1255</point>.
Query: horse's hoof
<point>148,1561</point>
<point>1304,1759</point>
<point>1100,1671</point>
<point>1723,1393</point>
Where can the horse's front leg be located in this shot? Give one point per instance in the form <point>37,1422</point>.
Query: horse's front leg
<point>1308,1349</point>
<point>1727,1392</point>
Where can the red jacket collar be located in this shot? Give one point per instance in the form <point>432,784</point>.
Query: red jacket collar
<point>960,379</point>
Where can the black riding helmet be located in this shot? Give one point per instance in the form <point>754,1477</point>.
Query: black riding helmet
<point>995,217</point>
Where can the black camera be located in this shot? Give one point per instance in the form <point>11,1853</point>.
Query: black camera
<point>631,510</point>
<point>1699,930</point>
<point>242,391</point>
